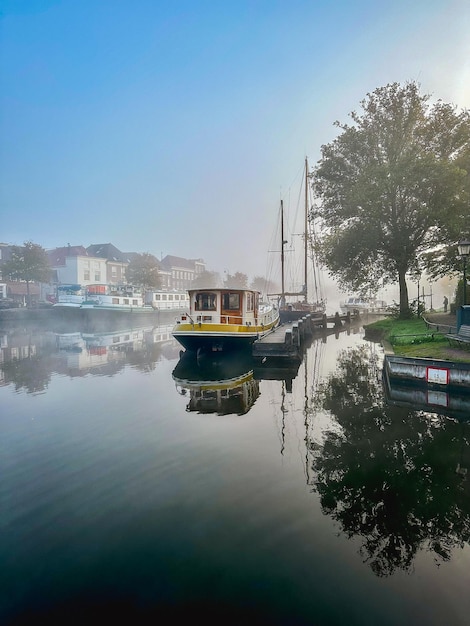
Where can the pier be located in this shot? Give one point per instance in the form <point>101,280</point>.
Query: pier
<point>288,341</point>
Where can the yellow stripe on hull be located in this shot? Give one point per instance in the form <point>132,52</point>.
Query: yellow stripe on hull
<point>222,329</point>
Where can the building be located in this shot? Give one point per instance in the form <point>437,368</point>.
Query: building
<point>182,272</point>
<point>72,265</point>
<point>116,262</point>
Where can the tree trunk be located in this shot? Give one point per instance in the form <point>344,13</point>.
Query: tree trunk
<point>405,312</point>
<point>28,297</point>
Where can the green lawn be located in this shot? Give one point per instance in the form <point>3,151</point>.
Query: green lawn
<point>412,338</point>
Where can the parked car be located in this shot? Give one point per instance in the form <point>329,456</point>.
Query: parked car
<point>41,304</point>
<point>9,303</point>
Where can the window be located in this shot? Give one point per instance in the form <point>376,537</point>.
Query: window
<point>134,302</point>
<point>97,277</point>
<point>115,300</point>
<point>231,301</point>
<point>249,301</point>
<point>126,300</point>
<point>205,302</point>
<point>86,275</point>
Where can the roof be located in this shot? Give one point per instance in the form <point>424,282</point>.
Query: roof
<point>176,261</point>
<point>107,251</point>
<point>57,256</point>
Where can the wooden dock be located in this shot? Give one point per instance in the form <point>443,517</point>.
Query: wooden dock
<point>288,341</point>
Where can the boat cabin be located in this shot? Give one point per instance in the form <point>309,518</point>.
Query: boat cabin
<point>224,306</point>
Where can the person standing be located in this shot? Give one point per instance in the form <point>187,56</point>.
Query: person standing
<point>446,302</point>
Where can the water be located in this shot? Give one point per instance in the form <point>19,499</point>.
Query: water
<point>285,497</point>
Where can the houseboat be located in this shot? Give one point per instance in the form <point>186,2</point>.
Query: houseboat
<point>221,320</point>
<point>361,304</point>
<point>167,300</point>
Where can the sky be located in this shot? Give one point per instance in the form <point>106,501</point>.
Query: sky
<point>177,127</point>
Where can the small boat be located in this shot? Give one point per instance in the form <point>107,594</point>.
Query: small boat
<point>362,304</point>
<point>222,320</point>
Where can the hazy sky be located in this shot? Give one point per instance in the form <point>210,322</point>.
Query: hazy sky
<point>176,127</point>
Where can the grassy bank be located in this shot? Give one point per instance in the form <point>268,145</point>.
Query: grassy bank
<point>412,338</point>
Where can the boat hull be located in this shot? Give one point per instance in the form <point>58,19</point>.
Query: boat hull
<point>217,337</point>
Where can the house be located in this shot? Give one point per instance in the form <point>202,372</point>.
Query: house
<point>116,262</point>
<point>182,272</point>
<point>73,265</point>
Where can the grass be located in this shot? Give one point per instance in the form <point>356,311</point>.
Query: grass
<point>412,338</point>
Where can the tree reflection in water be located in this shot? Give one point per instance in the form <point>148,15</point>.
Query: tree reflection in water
<point>389,475</point>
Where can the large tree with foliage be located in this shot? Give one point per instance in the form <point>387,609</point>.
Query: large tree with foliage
<point>393,191</point>
<point>28,263</point>
<point>142,271</point>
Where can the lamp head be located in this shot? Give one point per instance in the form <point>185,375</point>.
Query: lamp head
<point>464,247</point>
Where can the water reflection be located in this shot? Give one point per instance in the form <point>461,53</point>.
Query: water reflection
<point>30,356</point>
<point>394,477</point>
<point>222,385</point>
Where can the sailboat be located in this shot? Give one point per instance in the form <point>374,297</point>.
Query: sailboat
<point>290,310</point>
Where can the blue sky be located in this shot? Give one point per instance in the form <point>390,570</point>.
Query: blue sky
<point>176,127</point>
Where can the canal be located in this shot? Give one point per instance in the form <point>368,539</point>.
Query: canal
<point>141,485</point>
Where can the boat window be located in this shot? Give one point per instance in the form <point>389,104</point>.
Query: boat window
<point>249,301</point>
<point>115,301</point>
<point>157,296</point>
<point>205,302</point>
<point>231,301</point>
<point>134,302</point>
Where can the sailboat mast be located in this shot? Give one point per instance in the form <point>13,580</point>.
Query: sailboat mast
<point>306,230</point>
<point>282,255</point>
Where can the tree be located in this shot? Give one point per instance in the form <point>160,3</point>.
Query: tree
<point>393,190</point>
<point>236,281</point>
<point>142,271</point>
<point>264,285</point>
<point>206,279</point>
<point>29,263</point>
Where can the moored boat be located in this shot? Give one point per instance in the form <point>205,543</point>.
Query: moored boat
<point>221,320</point>
<point>362,304</point>
<point>162,300</point>
<point>295,304</point>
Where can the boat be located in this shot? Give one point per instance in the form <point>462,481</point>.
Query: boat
<point>70,296</point>
<point>162,300</point>
<point>101,306</point>
<point>361,304</point>
<point>223,320</point>
<point>293,309</point>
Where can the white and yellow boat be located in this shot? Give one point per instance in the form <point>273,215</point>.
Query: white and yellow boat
<point>222,320</point>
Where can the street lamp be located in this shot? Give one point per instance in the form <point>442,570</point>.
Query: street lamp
<point>464,251</point>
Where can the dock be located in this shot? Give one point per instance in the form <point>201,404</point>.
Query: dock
<point>288,341</point>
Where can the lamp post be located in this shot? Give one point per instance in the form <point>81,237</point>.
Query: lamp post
<point>464,251</point>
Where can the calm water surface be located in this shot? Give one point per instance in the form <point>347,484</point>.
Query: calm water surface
<point>141,485</point>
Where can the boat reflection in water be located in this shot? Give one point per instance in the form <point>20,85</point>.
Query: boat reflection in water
<point>453,402</point>
<point>224,384</point>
